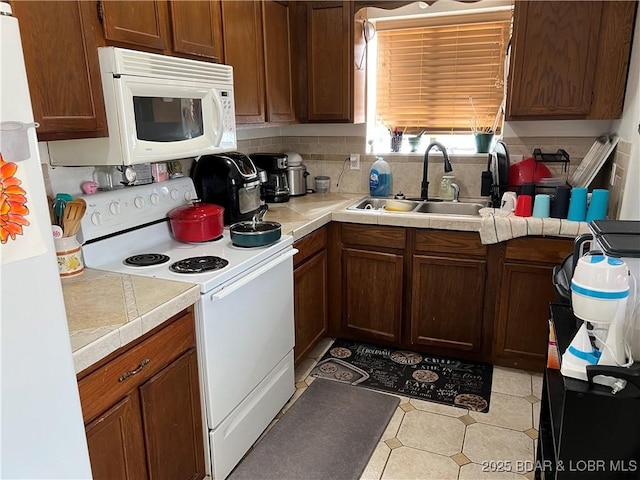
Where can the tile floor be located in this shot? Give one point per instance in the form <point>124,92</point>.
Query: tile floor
<point>426,440</point>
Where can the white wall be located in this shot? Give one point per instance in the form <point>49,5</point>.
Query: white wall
<point>628,127</point>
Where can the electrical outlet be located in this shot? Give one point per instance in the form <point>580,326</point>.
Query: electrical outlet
<point>354,158</point>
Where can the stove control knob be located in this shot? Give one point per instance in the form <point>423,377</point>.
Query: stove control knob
<point>188,196</point>
<point>155,199</point>
<point>138,202</point>
<point>174,194</point>
<point>114,207</point>
<point>96,218</point>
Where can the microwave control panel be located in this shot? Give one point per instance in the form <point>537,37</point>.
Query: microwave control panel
<point>228,119</point>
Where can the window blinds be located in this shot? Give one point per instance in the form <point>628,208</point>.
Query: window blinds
<point>428,69</point>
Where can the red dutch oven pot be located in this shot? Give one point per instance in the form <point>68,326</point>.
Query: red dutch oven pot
<point>198,222</point>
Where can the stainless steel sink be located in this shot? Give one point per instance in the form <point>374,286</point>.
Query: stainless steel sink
<point>377,203</point>
<point>450,208</point>
<point>466,208</point>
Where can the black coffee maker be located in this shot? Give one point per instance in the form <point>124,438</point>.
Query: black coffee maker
<point>229,180</point>
<point>276,189</point>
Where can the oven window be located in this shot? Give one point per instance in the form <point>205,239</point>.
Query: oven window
<point>162,119</point>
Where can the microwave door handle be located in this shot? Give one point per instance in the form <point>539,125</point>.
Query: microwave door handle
<point>219,120</point>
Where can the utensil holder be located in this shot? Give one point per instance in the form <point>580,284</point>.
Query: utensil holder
<point>483,142</point>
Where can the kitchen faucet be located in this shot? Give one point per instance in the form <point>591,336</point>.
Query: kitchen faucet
<point>424,195</point>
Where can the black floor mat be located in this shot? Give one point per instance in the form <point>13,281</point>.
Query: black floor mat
<point>427,377</point>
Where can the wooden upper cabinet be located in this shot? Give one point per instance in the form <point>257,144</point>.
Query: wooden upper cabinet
<point>61,59</point>
<point>141,24</point>
<point>196,28</point>
<point>243,50</point>
<point>569,59</point>
<point>330,61</point>
<point>276,25</point>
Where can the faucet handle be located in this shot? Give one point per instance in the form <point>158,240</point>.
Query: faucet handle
<point>400,196</point>
<point>456,191</point>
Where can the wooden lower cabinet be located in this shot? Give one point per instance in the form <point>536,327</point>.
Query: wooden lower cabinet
<point>372,294</point>
<point>447,302</point>
<point>310,292</point>
<point>116,442</point>
<point>142,408</point>
<point>522,300</point>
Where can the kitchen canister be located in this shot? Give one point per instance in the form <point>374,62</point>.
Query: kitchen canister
<point>598,205</point>
<point>69,255</point>
<point>578,205</point>
<point>322,183</point>
<point>541,206</point>
<point>560,204</point>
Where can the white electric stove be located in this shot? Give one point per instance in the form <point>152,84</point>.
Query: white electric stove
<point>244,319</point>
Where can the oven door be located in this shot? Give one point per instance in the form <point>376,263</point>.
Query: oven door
<point>246,329</point>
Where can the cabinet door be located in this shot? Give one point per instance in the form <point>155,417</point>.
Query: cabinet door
<point>116,444</point>
<point>140,24</point>
<point>329,58</point>
<point>310,303</point>
<point>61,60</point>
<point>553,58</point>
<point>372,294</point>
<point>196,28</point>
<point>276,18</point>
<point>523,312</point>
<point>447,302</point>
<point>173,421</point>
<point>243,51</point>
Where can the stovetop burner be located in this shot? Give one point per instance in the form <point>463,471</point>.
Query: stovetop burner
<point>146,260</point>
<point>199,264</point>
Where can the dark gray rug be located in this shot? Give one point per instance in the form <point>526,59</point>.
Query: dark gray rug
<point>330,432</point>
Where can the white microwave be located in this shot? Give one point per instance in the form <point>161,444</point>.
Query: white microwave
<point>158,108</point>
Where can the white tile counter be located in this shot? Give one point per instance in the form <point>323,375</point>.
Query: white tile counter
<point>108,310</point>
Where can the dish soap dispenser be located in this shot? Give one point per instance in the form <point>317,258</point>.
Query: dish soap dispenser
<point>380,178</point>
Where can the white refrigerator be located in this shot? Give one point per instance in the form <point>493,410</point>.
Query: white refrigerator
<point>41,429</point>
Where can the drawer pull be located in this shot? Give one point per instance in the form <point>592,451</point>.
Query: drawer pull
<point>124,376</point>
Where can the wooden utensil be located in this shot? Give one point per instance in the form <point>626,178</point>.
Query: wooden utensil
<point>73,213</point>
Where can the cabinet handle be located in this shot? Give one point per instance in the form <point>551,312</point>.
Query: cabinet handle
<point>126,375</point>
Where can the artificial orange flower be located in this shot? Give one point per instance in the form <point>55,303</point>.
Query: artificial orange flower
<point>13,200</point>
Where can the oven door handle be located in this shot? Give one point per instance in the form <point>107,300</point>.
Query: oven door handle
<point>252,276</point>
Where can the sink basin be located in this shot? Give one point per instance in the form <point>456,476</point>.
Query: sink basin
<point>450,208</point>
<point>377,203</point>
<point>419,206</point>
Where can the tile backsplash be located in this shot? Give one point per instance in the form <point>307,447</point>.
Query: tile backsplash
<point>328,155</point>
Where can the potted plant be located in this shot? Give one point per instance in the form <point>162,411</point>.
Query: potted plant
<point>482,131</point>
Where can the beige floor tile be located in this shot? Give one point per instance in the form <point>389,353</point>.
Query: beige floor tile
<point>506,411</point>
<point>531,398</point>
<point>536,415</point>
<point>438,408</point>
<point>393,443</point>
<point>511,381</point>
<point>407,407</point>
<point>460,459</point>
<point>293,399</point>
<point>536,384</point>
<point>473,471</point>
<point>394,425</point>
<point>533,433</point>
<point>410,464</point>
<point>301,385</point>
<point>377,462</point>
<point>431,432</point>
<point>486,443</point>
<point>467,419</point>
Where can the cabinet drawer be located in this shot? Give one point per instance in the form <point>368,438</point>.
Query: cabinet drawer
<point>442,241</point>
<point>104,387</point>
<point>309,245</point>
<point>374,236</point>
<point>539,250</point>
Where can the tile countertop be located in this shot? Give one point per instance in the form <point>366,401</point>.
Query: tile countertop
<point>108,310</point>
<point>302,215</point>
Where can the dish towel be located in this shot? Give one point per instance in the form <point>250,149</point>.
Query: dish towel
<point>498,226</point>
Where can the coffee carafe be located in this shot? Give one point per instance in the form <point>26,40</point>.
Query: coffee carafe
<point>276,188</point>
